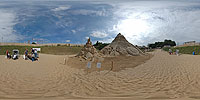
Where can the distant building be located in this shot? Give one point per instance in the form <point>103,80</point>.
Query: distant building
<point>189,43</point>
<point>167,45</point>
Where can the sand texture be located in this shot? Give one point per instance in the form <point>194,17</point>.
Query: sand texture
<point>162,77</point>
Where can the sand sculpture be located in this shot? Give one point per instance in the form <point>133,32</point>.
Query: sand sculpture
<point>88,51</point>
<point>120,46</point>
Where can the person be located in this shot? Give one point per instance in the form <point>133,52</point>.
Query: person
<point>29,56</point>
<point>26,54</point>
<point>170,51</point>
<point>15,57</point>
<point>32,50</point>
<point>35,52</point>
<point>33,57</point>
<point>193,52</point>
<point>177,52</point>
<point>8,54</point>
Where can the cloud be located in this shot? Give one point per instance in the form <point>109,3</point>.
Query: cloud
<point>67,41</point>
<point>87,37</point>
<point>109,40</point>
<point>73,31</point>
<point>140,21</point>
<point>7,21</point>
<point>89,12</point>
<point>98,34</point>
<point>61,8</point>
<point>143,22</point>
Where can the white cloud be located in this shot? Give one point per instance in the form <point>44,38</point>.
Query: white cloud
<point>61,8</point>
<point>143,22</point>
<point>73,31</point>
<point>67,41</point>
<point>89,12</point>
<point>7,21</point>
<point>87,37</point>
<point>98,34</point>
<point>109,40</point>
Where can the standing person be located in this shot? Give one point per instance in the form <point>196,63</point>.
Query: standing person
<point>26,52</point>
<point>177,52</point>
<point>32,51</point>
<point>170,51</point>
<point>35,52</point>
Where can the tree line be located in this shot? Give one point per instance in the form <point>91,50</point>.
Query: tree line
<point>162,44</point>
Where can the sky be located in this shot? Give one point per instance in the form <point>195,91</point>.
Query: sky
<point>73,21</point>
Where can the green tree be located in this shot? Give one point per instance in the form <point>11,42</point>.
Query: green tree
<point>162,44</point>
<point>99,45</point>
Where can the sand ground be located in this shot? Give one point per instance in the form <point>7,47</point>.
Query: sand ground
<point>162,77</point>
<point>115,64</point>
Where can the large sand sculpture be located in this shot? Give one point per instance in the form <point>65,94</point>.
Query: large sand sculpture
<point>120,46</point>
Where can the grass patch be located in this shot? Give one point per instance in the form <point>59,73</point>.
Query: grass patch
<point>60,50</point>
<point>185,50</point>
<point>56,50</point>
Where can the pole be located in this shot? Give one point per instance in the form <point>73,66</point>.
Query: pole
<point>64,61</point>
<point>112,65</point>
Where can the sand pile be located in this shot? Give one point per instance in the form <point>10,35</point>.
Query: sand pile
<point>120,46</point>
<point>88,51</point>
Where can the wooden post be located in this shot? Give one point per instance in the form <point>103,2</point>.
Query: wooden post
<point>64,61</point>
<point>112,65</point>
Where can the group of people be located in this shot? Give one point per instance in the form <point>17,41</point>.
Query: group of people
<point>14,56</point>
<point>171,52</point>
<point>32,56</point>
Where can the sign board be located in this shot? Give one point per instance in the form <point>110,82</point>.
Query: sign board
<point>89,65</point>
<point>38,49</point>
<point>98,65</point>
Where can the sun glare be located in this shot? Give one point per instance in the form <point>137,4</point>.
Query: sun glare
<point>133,27</point>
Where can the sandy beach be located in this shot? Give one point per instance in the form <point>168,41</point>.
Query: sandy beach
<point>162,77</point>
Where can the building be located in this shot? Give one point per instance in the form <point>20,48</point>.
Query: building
<point>189,43</point>
<point>167,45</point>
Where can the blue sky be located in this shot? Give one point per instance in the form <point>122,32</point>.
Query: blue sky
<point>141,22</point>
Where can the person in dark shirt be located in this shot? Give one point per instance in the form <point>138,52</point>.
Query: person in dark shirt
<point>32,50</point>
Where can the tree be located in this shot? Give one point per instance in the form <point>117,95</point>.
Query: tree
<point>34,43</point>
<point>162,44</point>
<point>100,45</point>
